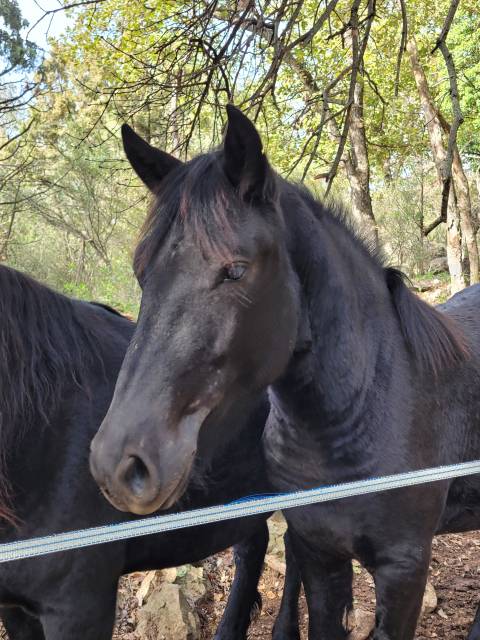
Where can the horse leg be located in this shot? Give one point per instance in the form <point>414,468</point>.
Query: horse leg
<point>21,625</point>
<point>91,616</point>
<point>327,580</point>
<point>286,625</point>
<point>475,630</point>
<point>249,556</point>
<point>400,577</point>
<point>80,627</point>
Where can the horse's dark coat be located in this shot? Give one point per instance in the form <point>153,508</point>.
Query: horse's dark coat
<point>364,378</point>
<point>59,360</point>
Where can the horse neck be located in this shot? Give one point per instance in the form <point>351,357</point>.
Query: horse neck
<point>56,370</point>
<point>347,341</point>
<point>233,445</point>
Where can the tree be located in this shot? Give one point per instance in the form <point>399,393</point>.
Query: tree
<point>456,207</point>
<point>15,52</point>
<point>439,153</point>
<point>17,55</point>
<point>327,83</point>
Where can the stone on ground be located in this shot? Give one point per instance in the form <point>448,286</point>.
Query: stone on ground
<point>361,624</point>
<point>430,600</point>
<point>167,615</point>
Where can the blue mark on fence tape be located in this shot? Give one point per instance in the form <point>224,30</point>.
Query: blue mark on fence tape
<point>255,496</point>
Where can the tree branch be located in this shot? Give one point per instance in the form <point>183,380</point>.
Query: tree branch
<point>433,225</point>
<point>448,23</point>
<point>52,12</point>
<point>358,52</point>
<point>403,44</point>
<point>456,108</point>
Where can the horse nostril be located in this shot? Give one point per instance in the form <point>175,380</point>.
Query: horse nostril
<point>136,475</point>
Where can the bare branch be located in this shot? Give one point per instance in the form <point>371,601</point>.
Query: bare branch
<point>307,37</point>
<point>456,108</point>
<point>448,23</point>
<point>433,225</point>
<point>17,135</point>
<point>51,12</point>
<point>403,44</point>
<point>358,51</point>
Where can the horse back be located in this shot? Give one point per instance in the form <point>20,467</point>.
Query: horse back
<point>464,309</point>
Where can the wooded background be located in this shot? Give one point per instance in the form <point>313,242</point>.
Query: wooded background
<point>373,103</point>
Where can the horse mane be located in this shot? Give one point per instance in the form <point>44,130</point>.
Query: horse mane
<point>44,344</point>
<point>107,307</point>
<point>433,338</point>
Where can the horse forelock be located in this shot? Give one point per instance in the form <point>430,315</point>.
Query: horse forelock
<point>198,198</point>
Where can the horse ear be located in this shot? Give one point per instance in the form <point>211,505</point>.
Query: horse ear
<point>245,163</point>
<point>150,164</point>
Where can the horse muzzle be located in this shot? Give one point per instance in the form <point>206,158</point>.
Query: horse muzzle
<point>146,476</point>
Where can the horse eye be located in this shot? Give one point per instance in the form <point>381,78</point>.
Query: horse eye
<point>234,271</point>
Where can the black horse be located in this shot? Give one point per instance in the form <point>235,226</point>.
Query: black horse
<point>59,360</point>
<point>249,282</point>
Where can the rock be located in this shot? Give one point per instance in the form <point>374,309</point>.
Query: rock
<point>421,286</point>
<point>438,265</point>
<point>361,624</point>
<point>429,599</point>
<point>193,582</point>
<point>277,527</point>
<point>168,575</point>
<point>168,616</point>
<point>274,563</point>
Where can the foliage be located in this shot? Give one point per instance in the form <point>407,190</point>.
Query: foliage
<point>15,51</point>
<point>70,207</point>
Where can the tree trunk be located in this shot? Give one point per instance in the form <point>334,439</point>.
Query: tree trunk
<point>454,247</point>
<point>468,220</point>
<point>476,210</point>
<point>421,222</point>
<point>464,205</point>
<point>8,235</point>
<point>439,152</point>
<point>358,168</point>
